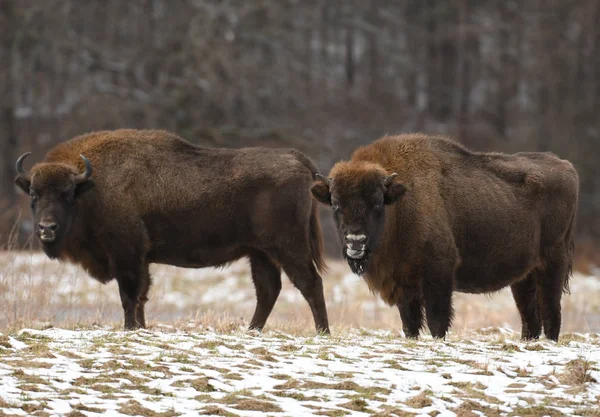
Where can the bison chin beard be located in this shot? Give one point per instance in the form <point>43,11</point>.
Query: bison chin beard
<point>358,266</point>
<point>52,249</point>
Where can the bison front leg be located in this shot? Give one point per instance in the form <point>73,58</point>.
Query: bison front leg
<point>436,286</point>
<point>133,289</point>
<point>142,296</point>
<point>128,293</point>
<point>411,312</point>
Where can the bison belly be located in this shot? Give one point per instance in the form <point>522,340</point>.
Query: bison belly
<point>485,275</point>
<point>496,255</point>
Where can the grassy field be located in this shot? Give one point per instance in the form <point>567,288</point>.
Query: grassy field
<point>35,291</point>
<point>62,351</point>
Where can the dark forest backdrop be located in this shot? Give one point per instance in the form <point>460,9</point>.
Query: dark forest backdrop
<point>320,75</point>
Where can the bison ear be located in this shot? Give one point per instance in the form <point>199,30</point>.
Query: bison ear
<point>320,189</point>
<point>83,187</point>
<point>23,183</point>
<point>394,189</point>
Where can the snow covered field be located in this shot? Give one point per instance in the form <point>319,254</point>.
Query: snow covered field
<point>203,372</point>
<point>62,351</point>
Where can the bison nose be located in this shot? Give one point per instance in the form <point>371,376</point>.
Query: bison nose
<point>356,241</point>
<point>356,238</point>
<point>47,230</point>
<point>47,226</point>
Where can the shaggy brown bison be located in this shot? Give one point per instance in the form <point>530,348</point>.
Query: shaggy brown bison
<point>116,201</point>
<point>421,217</point>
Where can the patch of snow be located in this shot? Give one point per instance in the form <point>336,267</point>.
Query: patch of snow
<point>185,371</point>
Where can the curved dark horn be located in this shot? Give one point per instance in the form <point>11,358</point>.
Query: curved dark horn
<point>19,165</point>
<point>389,179</point>
<point>85,175</point>
<point>323,178</point>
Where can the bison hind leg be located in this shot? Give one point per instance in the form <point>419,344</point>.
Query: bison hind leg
<point>267,282</point>
<point>525,295</point>
<point>304,276</point>
<point>436,287</point>
<point>550,282</point>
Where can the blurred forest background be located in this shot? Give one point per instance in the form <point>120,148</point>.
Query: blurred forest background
<point>323,76</point>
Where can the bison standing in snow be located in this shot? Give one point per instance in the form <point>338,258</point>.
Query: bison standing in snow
<point>116,201</point>
<point>421,217</point>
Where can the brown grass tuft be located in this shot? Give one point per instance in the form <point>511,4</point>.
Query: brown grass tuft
<point>216,411</point>
<point>536,411</point>
<point>133,408</point>
<point>202,385</point>
<point>420,401</point>
<point>251,404</point>
<point>356,404</point>
<point>577,372</point>
<point>467,408</point>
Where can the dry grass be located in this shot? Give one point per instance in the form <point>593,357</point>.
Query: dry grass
<point>39,293</point>
<point>420,401</point>
<point>216,411</point>
<point>577,372</point>
<point>133,408</point>
<point>468,408</point>
<point>250,404</point>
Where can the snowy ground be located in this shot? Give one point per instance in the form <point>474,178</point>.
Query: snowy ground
<point>62,351</point>
<point>204,372</point>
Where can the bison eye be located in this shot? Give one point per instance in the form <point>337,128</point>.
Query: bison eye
<point>33,195</point>
<point>335,207</point>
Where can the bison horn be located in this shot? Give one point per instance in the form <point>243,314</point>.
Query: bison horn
<point>323,178</point>
<point>19,165</point>
<point>387,181</point>
<point>85,175</point>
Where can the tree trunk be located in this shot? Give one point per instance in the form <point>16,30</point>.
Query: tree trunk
<point>461,91</point>
<point>373,53</point>
<point>350,53</point>
<point>8,138</point>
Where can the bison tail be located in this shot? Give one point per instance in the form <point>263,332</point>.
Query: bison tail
<point>571,251</point>
<point>570,243</point>
<point>316,239</point>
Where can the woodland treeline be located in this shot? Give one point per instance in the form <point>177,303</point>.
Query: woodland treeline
<point>323,76</point>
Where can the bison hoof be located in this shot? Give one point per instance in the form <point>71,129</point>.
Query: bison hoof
<point>323,332</point>
<point>131,327</point>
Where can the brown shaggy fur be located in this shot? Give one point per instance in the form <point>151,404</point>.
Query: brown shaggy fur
<point>457,220</point>
<point>158,199</point>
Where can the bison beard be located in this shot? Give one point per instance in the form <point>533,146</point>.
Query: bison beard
<point>52,250</point>
<point>358,266</point>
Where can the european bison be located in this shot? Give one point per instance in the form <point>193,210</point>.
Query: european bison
<point>421,217</point>
<point>116,201</point>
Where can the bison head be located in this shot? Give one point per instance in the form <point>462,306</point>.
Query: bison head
<point>358,193</point>
<point>53,188</point>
